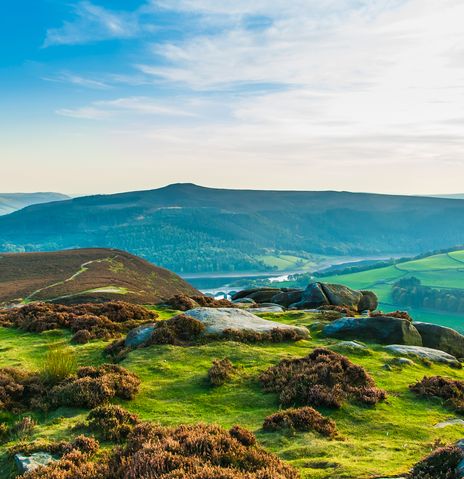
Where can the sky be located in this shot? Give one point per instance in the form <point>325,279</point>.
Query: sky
<point>100,96</point>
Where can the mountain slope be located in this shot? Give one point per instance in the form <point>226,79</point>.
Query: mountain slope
<point>10,202</point>
<point>85,275</point>
<point>188,228</point>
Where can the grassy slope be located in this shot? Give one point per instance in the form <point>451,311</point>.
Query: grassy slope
<point>440,271</point>
<point>374,441</point>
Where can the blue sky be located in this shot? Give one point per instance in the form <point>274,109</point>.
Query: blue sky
<point>104,96</point>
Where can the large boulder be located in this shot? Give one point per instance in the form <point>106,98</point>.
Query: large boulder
<point>139,336</point>
<point>30,463</point>
<point>219,319</point>
<point>255,293</point>
<point>439,337</point>
<point>340,295</point>
<point>312,297</point>
<point>286,298</point>
<point>433,355</point>
<point>368,302</point>
<point>379,329</point>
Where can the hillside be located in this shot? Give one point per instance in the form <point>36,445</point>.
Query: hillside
<point>10,202</point>
<point>441,271</point>
<point>188,228</point>
<point>85,275</point>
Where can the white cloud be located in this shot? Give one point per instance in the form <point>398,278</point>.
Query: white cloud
<point>93,23</point>
<point>84,113</point>
<point>78,80</point>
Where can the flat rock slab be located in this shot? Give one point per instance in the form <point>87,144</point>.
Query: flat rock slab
<point>433,355</point>
<point>449,422</point>
<point>139,336</point>
<point>268,309</point>
<point>217,320</point>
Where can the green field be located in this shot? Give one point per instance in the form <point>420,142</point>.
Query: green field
<point>286,262</point>
<point>373,442</point>
<point>438,271</point>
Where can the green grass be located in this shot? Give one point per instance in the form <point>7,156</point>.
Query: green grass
<point>384,440</point>
<point>285,262</point>
<point>439,271</point>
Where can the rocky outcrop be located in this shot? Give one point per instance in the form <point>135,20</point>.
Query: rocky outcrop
<point>433,355</point>
<point>439,337</point>
<point>379,329</point>
<point>138,337</point>
<point>220,319</point>
<point>315,295</point>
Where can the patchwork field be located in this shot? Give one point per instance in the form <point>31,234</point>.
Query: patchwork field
<point>438,271</point>
<point>379,441</point>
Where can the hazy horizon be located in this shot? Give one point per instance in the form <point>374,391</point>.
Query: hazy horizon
<point>102,96</point>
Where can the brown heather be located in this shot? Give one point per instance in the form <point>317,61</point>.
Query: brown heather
<point>323,378</point>
<point>184,452</point>
<point>182,302</point>
<point>392,314</point>
<point>111,422</point>
<point>440,464</point>
<point>450,390</point>
<point>220,372</point>
<point>303,419</point>
<point>104,321</point>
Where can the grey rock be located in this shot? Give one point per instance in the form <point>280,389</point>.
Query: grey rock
<point>442,338</point>
<point>350,345</point>
<point>268,309</point>
<point>340,295</point>
<point>400,362</point>
<point>217,320</point>
<point>139,336</point>
<point>260,295</point>
<point>29,463</point>
<point>312,297</point>
<point>433,355</point>
<point>449,422</point>
<point>380,329</point>
<point>244,301</point>
<point>368,302</point>
<point>286,298</point>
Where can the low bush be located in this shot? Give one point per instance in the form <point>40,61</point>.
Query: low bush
<point>106,320</point>
<point>440,464</point>
<point>220,372</point>
<point>343,310</point>
<point>244,436</point>
<point>277,335</point>
<point>112,422</point>
<point>323,378</point>
<point>450,390</point>
<point>182,302</point>
<point>179,330</point>
<point>184,452</point>
<point>301,419</point>
<point>90,387</point>
<point>82,337</point>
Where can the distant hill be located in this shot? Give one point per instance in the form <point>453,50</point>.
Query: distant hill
<point>10,202</point>
<point>188,228</point>
<point>456,196</point>
<point>85,275</point>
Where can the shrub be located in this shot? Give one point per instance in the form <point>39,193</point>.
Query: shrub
<point>178,330</point>
<point>105,320</point>
<point>343,310</point>
<point>59,363</point>
<point>82,337</point>
<point>323,378</point>
<point>184,452</point>
<point>441,464</point>
<point>220,372</point>
<point>182,302</point>
<point>112,422</point>
<point>450,390</point>
<point>277,335</point>
<point>244,436</point>
<point>22,428</point>
<point>300,419</point>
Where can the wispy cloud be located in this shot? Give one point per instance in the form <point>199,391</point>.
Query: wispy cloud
<point>78,80</point>
<point>93,23</point>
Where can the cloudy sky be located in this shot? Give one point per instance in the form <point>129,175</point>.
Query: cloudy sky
<point>105,96</point>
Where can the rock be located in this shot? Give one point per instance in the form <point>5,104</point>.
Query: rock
<point>380,329</point>
<point>260,295</point>
<point>244,301</point>
<point>400,362</point>
<point>139,336</point>
<point>217,320</point>
<point>275,308</point>
<point>442,338</point>
<point>286,298</point>
<point>433,355</point>
<point>368,302</point>
<point>339,295</point>
<point>449,422</point>
<point>350,345</point>
<point>312,297</point>
<point>29,463</point>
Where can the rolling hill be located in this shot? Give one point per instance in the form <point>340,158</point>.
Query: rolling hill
<point>440,271</point>
<point>85,275</point>
<point>10,202</point>
<point>188,228</point>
